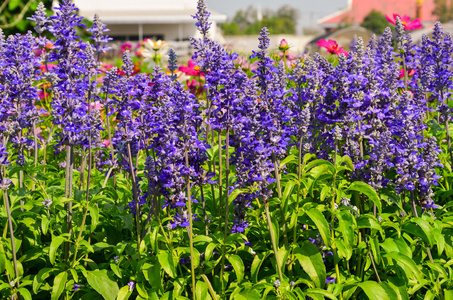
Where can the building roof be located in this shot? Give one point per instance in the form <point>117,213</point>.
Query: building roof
<point>357,10</point>
<point>143,11</point>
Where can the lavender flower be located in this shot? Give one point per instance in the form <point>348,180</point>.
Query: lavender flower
<point>330,279</point>
<point>76,287</point>
<point>131,285</point>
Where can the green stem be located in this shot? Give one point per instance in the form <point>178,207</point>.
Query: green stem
<point>274,243</point>
<point>189,208</point>
<point>227,183</point>
<point>11,234</point>
<point>279,193</point>
<point>332,208</point>
<point>220,181</point>
<point>135,196</point>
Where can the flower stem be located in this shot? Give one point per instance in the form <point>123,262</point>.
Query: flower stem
<point>205,216</point>
<point>135,196</point>
<point>279,193</point>
<point>220,181</point>
<point>11,234</point>
<point>227,175</point>
<point>274,242</point>
<point>189,208</point>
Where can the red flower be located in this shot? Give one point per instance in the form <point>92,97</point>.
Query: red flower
<point>406,20</point>
<point>410,72</point>
<point>331,46</point>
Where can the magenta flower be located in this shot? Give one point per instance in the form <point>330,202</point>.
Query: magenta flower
<point>331,46</point>
<point>283,45</point>
<point>406,21</point>
<point>192,69</point>
<point>125,47</point>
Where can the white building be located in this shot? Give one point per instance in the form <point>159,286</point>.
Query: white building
<point>134,20</point>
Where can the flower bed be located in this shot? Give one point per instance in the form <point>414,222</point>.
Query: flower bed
<point>326,178</point>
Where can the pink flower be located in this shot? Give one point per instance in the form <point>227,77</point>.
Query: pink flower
<point>191,69</point>
<point>125,47</point>
<point>406,20</point>
<point>106,142</point>
<point>331,46</point>
<point>96,105</point>
<point>283,45</point>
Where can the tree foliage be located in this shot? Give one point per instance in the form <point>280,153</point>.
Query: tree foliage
<point>14,14</point>
<point>375,21</point>
<point>251,20</point>
<point>443,9</point>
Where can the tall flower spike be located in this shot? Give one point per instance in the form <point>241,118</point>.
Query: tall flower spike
<point>40,19</point>
<point>202,18</point>
<point>98,29</point>
<point>264,39</point>
<point>172,60</point>
<point>128,66</point>
<point>399,29</point>
<point>2,38</point>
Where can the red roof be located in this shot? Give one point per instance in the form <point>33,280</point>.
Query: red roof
<point>357,10</point>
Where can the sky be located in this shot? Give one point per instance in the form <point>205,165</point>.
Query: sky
<point>309,10</point>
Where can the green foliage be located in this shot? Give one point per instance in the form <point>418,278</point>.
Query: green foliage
<point>282,21</point>
<point>14,14</point>
<point>443,9</point>
<point>375,21</point>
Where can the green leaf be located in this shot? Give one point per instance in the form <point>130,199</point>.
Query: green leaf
<point>288,159</point>
<point>25,293</point>
<point>321,223</point>
<point>100,281</point>
<point>282,256</point>
<point>153,275</point>
<point>344,251</point>
<point>167,262</point>
<point>59,284</point>
<point>310,260</point>
<point>94,213</point>
<point>429,296</point>
<point>288,189</point>
<point>375,249</point>
<point>2,259</point>
<point>235,193</point>
<point>238,266</point>
<point>40,277</point>
<point>421,228</point>
<point>346,222</point>
<point>318,292</point>
<point>210,288</point>
<point>448,295</point>
<point>13,4</point>
<point>346,160</point>
<point>368,221</point>
<point>141,290</point>
<point>366,189</point>
<point>256,265</point>
<point>275,229</point>
<point>45,222</point>
<point>56,242</point>
<point>398,245</point>
<point>374,291</point>
<point>116,270</point>
<point>399,287</point>
<point>201,290</point>
<point>124,293</point>
<point>406,263</point>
